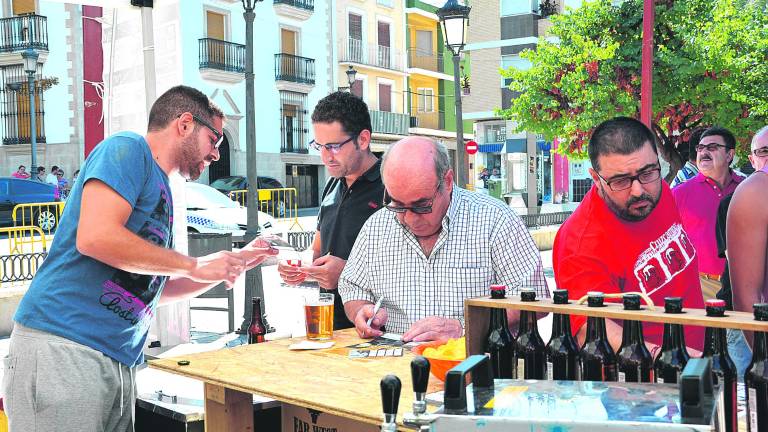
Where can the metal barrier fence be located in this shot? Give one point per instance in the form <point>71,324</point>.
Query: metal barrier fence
<point>20,267</point>
<point>24,239</point>
<point>544,219</point>
<point>301,240</point>
<point>45,215</point>
<point>280,203</point>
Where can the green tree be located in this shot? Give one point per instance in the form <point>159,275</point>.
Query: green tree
<point>710,68</point>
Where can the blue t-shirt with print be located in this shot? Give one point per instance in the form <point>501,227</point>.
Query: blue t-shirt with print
<point>85,300</point>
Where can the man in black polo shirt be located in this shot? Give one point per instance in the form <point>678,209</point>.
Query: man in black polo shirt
<point>342,128</point>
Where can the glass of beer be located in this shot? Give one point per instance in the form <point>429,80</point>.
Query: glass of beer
<point>318,312</point>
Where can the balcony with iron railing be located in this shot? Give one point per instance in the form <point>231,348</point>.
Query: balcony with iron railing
<point>428,119</point>
<point>18,33</point>
<point>295,9</point>
<point>221,60</point>
<point>356,51</point>
<point>293,68</point>
<point>389,122</point>
<point>426,60</point>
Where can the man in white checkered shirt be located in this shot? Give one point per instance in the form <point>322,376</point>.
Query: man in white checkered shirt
<point>433,246</point>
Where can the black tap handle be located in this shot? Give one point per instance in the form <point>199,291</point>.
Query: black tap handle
<point>420,374</point>
<point>390,393</point>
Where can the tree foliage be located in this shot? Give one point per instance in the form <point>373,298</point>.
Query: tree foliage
<point>710,68</point>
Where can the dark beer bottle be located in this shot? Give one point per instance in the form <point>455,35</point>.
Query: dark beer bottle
<point>499,343</point>
<point>723,368</point>
<point>597,360</point>
<point>562,351</point>
<point>756,377</point>
<point>256,329</point>
<point>669,363</point>
<point>635,361</point>
<point>529,346</point>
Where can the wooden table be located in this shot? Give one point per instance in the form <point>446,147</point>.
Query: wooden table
<point>325,380</point>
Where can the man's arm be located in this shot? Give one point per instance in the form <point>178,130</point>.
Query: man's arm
<point>102,235</point>
<point>747,241</point>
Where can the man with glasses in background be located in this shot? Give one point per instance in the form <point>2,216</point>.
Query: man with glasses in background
<point>342,128</point>
<point>698,199</point>
<point>433,246</point>
<point>626,235</point>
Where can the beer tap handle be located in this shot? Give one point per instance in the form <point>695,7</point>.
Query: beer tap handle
<point>420,378</point>
<point>390,398</point>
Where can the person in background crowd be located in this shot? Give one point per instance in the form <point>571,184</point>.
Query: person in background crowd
<point>63,184</point>
<point>74,176</point>
<point>747,231</point>
<point>81,327</point>
<point>484,176</point>
<point>689,170</point>
<point>21,173</point>
<point>626,235</point>
<point>433,246</point>
<point>342,126</point>
<point>40,174</point>
<point>698,199</point>
<point>51,178</point>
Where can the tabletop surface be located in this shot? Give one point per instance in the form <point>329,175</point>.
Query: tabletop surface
<point>326,380</point>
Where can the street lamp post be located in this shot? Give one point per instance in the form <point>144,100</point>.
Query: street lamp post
<point>351,76</point>
<point>454,18</point>
<point>253,282</point>
<point>30,67</point>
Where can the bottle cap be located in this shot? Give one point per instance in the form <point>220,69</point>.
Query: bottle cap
<point>560,296</point>
<point>715,307</point>
<point>673,304</point>
<point>527,294</point>
<point>498,291</point>
<point>631,302</point>
<point>595,299</point>
<point>761,311</point>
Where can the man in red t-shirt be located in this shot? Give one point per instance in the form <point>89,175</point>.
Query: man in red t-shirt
<point>626,235</point>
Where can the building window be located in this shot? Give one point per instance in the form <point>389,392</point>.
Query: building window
<point>496,133</point>
<point>24,7</point>
<point>293,122</point>
<point>518,7</point>
<point>385,97</point>
<point>15,106</point>
<point>426,99</point>
<point>357,88</point>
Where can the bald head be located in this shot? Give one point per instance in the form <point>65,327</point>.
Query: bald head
<point>760,137</point>
<point>413,155</point>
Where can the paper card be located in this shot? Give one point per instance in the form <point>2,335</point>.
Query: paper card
<point>311,345</point>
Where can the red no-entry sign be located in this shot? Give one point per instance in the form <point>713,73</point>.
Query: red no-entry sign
<point>471,147</point>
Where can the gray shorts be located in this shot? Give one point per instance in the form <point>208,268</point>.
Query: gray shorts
<point>54,384</point>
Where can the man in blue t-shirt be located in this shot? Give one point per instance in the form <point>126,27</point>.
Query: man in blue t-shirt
<point>81,327</point>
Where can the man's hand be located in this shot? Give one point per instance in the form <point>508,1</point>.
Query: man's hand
<point>433,328</point>
<point>255,252</point>
<point>290,274</point>
<point>361,321</point>
<point>224,266</point>
<point>326,271</point>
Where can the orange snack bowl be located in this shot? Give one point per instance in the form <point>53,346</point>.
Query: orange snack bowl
<point>437,367</point>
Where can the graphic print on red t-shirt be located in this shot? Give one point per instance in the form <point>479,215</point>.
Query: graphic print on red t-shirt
<point>663,260</point>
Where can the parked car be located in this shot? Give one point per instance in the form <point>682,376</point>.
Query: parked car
<point>228,184</point>
<point>15,191</point>
<point>210,211</point>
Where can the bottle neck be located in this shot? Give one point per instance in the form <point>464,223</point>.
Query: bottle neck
<point>761,350</point>
<point>595,329</point>
<point>527,321</point>
<point>499,319</point>
<point>256,311</point>
<point>561,325</point>
<point>632,333</point>
<point>715,341</point>
<point>673,337</point>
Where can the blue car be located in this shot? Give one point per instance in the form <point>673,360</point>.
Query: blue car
<point>17,191</point>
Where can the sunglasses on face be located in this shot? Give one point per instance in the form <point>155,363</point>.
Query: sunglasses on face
<point>708,147</point>
<point>423,209</point>
<point>331,147</point>
<point>219,137</point>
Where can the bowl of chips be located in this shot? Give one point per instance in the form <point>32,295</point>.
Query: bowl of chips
<point>442,355</point>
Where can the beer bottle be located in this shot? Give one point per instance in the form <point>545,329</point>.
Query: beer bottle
<point>562,351</point>
<point>635,361</point>
<point>499,343</point>
<point>256,329</point>
<point>529,346</point>
<point>669,363</point>
<point>597,360</point>
<point>756,377</point>
<point>723,368</point>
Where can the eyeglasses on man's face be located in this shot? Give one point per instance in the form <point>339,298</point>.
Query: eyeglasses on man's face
<point>422,209</point>
<point>219,137</point>
<point>331,147</point>
<point>711,147</point>
<point>624,183</point>
<point>760,152</point>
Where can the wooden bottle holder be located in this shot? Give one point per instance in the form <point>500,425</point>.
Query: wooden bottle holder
<point>477,315</point>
